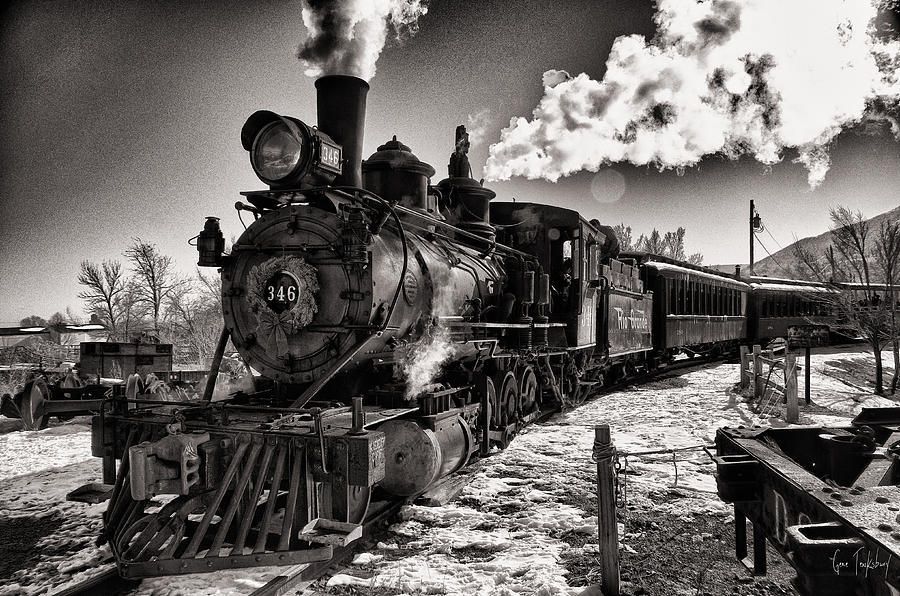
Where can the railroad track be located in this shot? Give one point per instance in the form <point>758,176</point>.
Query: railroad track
<point>299,577</point>
<point>109,583</point>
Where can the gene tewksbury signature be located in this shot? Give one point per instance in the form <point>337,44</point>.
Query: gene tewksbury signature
<point>861,564</point>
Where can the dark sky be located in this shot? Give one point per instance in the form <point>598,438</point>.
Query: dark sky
<point>121,119</point>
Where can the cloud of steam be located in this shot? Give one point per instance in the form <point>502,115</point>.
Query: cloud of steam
<point>476,126</point>
<point>748,77</point>
<point>347,36</point>
<point>425,360</point>
<point>426,357</point>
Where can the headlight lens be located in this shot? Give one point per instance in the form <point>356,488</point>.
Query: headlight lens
<point>277,151</point>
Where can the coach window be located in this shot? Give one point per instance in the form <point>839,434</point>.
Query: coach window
<point>691,297</point>
<point>682,296</point>
<point>670,294</point>
<point>698,297</point>
<point>689,302</point>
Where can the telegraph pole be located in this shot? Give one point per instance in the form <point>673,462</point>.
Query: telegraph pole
<point>752,213</point>
<point>755,226</point>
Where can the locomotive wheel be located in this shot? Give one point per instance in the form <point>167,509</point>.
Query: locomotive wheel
<point>31,404</point>
<point>508,399</point>
<point>528,390</point>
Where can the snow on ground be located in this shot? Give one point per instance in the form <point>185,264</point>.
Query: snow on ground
<point>37,470</point>
<point>505,533</point>
<point>26,452</point>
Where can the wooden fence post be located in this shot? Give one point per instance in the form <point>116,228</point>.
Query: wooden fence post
<point>757,373</point>
<point>745,362</point>
<point>792,415</point>
<point>606,511</point>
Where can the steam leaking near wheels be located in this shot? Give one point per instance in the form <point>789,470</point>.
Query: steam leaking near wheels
<point>426,356</point>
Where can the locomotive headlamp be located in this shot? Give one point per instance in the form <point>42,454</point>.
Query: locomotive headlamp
<point>286,153</point>
<point>277,151</point>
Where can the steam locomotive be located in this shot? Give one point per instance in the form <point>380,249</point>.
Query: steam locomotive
<point>399,328</point>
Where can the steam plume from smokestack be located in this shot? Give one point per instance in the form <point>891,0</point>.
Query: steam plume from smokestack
<point>347,36</point>
<point>721,77</point>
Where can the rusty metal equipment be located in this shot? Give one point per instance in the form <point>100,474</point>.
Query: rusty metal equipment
<point>83,393</point>
<point>827,498</point>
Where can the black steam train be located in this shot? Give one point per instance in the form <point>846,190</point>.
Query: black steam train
<point>399,328</point>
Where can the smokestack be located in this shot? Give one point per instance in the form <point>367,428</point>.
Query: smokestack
<point>341,106</point>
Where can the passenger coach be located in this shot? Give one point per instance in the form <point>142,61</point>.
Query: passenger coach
<point>696,309</point>
<point>776,304</point>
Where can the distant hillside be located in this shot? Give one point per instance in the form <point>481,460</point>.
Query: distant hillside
<point>784,263</point>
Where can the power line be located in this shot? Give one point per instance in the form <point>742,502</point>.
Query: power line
<point>773,238</point>
<point>782,267</point>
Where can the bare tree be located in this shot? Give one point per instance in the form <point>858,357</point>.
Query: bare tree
<point>887,257</point>
<point>33,321</point>
<point>104,284</point>
<point>132,312</point>
<point>674,244</point>
<point>155,275</point>
<point>669,244</point>
<point>194,313</point>
<point>653,243</point>
<point>850,252</point>
<point>849,260</point>
<point>623,233</point>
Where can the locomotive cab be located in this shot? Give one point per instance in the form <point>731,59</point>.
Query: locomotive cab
<point>568,249</point>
